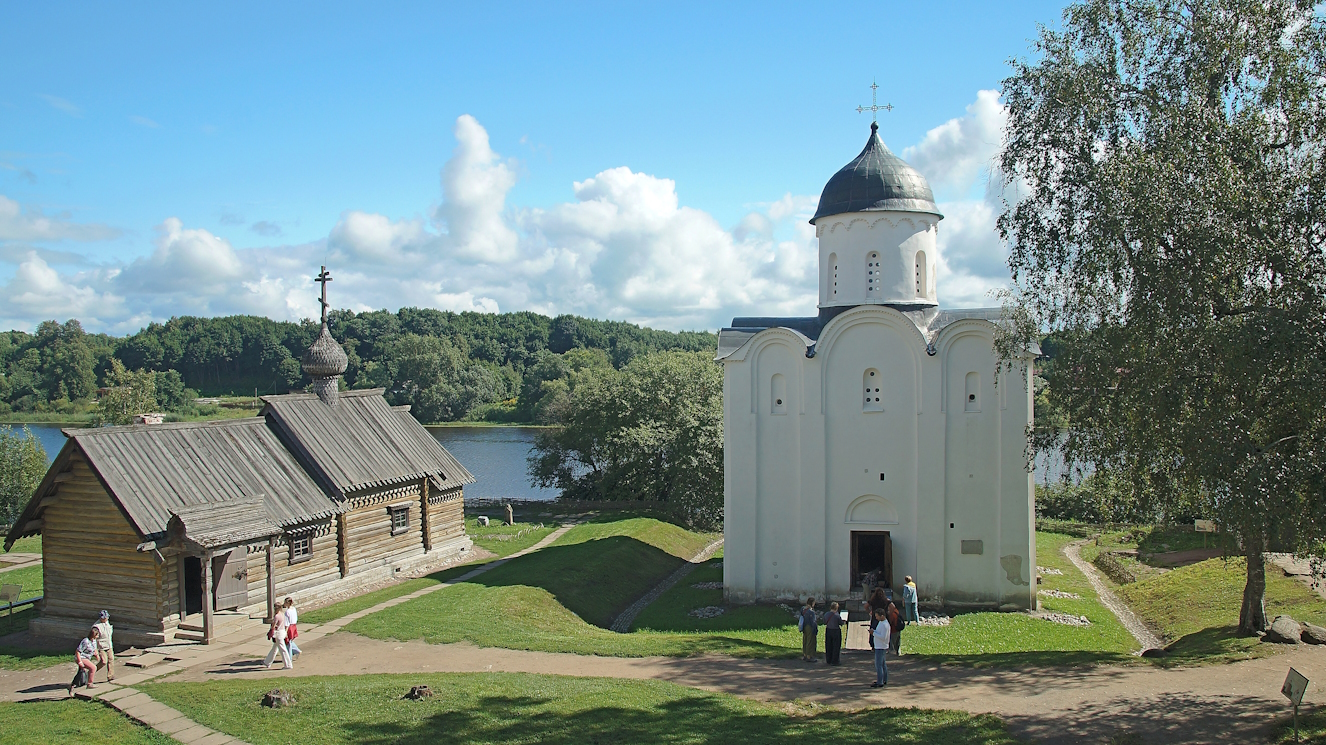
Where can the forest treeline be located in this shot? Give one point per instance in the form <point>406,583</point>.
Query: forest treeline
<point>447,366</point>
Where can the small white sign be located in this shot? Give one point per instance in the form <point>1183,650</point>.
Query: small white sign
<point>1295,685</point>
<point>1204,526</point>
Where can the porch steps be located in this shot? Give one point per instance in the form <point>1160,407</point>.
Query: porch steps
<point>223,623</point>
<point>145,660</point>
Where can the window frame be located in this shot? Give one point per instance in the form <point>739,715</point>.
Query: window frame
<point>392,512</point>
<point>297,556</point>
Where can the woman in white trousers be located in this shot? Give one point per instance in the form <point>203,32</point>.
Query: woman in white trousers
<point>277,635</point>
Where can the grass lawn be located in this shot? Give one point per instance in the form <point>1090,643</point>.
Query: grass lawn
<point>29,545</point>
<point>72,721</point>
<point>505,540</point>
<point>1197,607</point>
<point>561,598</point>
<point>1013,638</point>
<point>525,708</point>
<point>19,658</point>
<point>771,627</point>
<point>527,535</point>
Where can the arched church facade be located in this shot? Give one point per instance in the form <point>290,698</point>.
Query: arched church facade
<point>880,438</point>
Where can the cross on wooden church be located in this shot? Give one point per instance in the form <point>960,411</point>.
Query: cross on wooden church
<point>874,106</point>
<point>323,278</point>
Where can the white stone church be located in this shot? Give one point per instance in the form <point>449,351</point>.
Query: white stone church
<point>873,441</point>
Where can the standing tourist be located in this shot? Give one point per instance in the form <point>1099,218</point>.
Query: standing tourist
<point>878,599</point>
<point>833,635</point>
<point>896,625</point>
<point>880,641</point>
<point>910,610</point>
<point>277,634</point>
<point>86,657</point>
<point>809,628</point>
<point>292,630</point>
<point>105,645</point>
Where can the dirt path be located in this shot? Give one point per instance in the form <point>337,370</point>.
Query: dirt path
<point>1226,703</point>
<point>622,623</point>
<point>1130,621</point>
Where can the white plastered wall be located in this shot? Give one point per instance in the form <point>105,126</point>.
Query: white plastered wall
<point>847,242</point>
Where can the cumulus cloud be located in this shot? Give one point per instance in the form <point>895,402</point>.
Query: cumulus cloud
<point>624,247</point>
<point>474,186</point>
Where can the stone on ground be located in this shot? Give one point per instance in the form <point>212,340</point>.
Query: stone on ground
<point>418,693</point>
<point>1284,630</point>
<point>277,698</point>
<point>1313,634</point>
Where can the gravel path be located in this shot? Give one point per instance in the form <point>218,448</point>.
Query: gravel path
<point>1107,598</point>
<point>622,623</point>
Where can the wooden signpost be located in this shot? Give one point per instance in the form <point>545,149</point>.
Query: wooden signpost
<point>1204,527</point>
<point>1295,685</point>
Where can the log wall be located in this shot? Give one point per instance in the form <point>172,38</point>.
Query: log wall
<point>91,562</point>
<point>446,515</point>
<point>323,567</point>
<point>367,528</point>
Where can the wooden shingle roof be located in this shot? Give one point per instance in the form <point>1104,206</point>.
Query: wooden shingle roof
<point>361,442</point>
<point>229,523</point>
<point>152,471</point>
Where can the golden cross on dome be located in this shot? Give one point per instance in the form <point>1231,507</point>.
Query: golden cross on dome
<point>323,278</point>
<point>874,108</point>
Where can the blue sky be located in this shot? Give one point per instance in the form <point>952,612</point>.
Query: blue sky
<point>652,163</point>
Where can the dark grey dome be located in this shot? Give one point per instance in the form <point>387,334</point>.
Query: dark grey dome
<point>326,358</point>
<point>876,180</point>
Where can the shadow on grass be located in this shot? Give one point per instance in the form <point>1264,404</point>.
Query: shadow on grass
<point>596,579</point>
<point>509,719</point>
<point>1040,659</point>
<point>1215,644</point>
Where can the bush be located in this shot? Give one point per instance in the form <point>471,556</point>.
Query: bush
<point>1113,568</point>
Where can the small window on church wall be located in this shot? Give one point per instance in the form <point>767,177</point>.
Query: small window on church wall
<point>971,400</point>
<point>872,382</point>
<point>778,394</point>
<point>920,273</point>
<point>833,275</point>
<point>872,272</point>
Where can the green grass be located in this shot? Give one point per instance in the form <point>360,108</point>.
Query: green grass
<point>29,545</point>
<point>370,599</point>
<point>29,577</point>
<point>473,708</point>
<point>1013,639</point>
<point>561,598</point>
<point>72,721</point>
<point>505,540</point>
<point>1197,607</point>
<point>20,658</point>
<point>770,626</point>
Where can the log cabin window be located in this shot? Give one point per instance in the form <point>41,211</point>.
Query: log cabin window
<point>301,548</point>
<point>400,519</point>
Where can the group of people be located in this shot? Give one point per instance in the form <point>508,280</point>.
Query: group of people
<point>887,622</point>
<point>95,651</point>
<point>284,629</point>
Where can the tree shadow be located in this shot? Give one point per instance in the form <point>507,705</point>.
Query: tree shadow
<point>1161,718</point>
<point>688,720</point>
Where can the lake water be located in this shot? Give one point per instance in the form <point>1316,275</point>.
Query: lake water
<point>495,455</point>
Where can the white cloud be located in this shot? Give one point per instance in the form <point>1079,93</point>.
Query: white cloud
<point>959,152</point>
<point>624,248</point>
<point>36,291</point>
<point>61,104</point>
<point>474,186</point>
<point>17,224</point>
<point>143,121</point>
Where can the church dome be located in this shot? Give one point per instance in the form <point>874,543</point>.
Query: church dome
<point>326,358</point>
<point>876,180</point>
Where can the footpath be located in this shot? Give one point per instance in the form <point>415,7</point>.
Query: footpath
<point>176,658</point>
<point>1137,702</point>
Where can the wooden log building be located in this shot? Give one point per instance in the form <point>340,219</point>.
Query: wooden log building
<point>175,528</point>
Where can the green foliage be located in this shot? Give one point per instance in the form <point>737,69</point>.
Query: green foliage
<point>446,366</point>
<point>650,431</point>
<point>525,708</point>
<point>127,394</point>
<point>22,466</point>
<point>1165,163</point>
<point>72,720</point>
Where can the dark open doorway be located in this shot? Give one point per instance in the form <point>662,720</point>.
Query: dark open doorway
<point>872,560</point>
<point>193,585</point>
